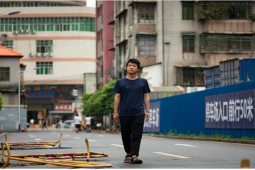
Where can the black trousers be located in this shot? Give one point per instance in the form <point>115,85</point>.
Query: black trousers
<point>131,132</point>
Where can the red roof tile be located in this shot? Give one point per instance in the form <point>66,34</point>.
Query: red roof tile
<point>9,52</point>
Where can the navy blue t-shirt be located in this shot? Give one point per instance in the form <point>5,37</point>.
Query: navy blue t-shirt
<point>131,96</point>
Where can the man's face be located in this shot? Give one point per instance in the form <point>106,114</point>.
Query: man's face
<point>132,68</point>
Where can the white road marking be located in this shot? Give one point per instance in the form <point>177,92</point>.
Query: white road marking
<point>76,138</point>
<point>121,146</point>
<point>66,135</point>
<point>91,140</point>
<point>31,136</point>
<point>179,144</point>
<point>38,139</point>
<point>101,135</point>
<point>172,155</point>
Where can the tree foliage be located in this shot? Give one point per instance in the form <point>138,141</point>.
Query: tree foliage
<point>1,101</point>
<point>213,10</point>
<point>224,9</point>
<point>99,102</point>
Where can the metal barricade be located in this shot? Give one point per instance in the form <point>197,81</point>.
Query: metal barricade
<point>58,159</point>
<point>35,144</point>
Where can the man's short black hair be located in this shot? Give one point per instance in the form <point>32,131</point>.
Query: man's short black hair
<point>135,61</point>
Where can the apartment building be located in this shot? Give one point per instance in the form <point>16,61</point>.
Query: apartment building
<point>176,40</point>
<point>9,75</point>
<point>57,40</point>
<point>104,44</point>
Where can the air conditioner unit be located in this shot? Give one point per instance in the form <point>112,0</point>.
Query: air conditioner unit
<point>33,31</point>
<point>50,54</point>
<point>15,32</point>
<point>38,54</point>
<point>26,31</point>
<point>22,31</point>
<point>45,54</point>
<point>31,55</point>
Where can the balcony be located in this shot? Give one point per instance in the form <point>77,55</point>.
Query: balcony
<point>133,1</point>
<point>147,60</point>
<point>228,26</point>
<point>144,29</point>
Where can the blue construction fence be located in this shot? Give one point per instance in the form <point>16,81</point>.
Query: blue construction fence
<point>224,111</point>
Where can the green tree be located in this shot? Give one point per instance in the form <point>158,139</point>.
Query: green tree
<point>213,10</point>
<point>1,101</point>
<point>99,102</point>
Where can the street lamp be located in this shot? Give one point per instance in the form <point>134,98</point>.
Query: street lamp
<point>19,97</point>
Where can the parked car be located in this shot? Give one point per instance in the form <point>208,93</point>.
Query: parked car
<point>69,124</point>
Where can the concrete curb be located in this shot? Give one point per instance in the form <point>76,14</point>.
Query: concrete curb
<point>241,141</point>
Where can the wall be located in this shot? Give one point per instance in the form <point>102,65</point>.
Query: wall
<point>152,74</point>
<point>89,85</point>
<point>12,85</point>
<point>9,119</point>
<point>186,113</point>
<point>174,26</point>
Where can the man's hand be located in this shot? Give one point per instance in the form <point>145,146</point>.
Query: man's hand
<point>115,117</point>
<point>147,116</point>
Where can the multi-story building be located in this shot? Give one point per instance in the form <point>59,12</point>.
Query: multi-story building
<point>104,36</point>
<point>10,76</point>
<point>12,115</point>
<point>176,40</point>
<point>57,40</point>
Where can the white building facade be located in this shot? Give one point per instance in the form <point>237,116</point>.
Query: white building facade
<point>57,39</point>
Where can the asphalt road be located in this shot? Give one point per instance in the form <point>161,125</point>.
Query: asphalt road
<point>156,153</point>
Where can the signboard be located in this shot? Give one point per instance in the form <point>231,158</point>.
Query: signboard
<point>67,107</point>
<point>153,124</point>
<point>230,111</point>
<point>39,91</point>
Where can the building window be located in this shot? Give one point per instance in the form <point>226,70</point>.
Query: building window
<point>187,10</point>
<point>188,76</point>
<point>44,46</point>
<point>33,4</point>
<point>146,46</point>
<point>222,43</point>
<point>146,13</point>
<point>4,73</point>
<point>8,44</point>
<point>26,25</point>
<point>188,43</point>
<point>44,68</point>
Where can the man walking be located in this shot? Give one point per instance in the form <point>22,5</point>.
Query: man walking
<point>131,95</point>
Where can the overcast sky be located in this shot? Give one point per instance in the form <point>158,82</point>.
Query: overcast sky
<point>91,3</point>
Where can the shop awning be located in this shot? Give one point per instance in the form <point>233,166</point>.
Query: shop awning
<point>192,66</point>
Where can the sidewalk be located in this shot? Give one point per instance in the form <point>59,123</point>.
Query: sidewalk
<point>242,141</point>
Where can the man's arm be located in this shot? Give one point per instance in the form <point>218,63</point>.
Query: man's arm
<point>116,106</point>
<point>146,98</point>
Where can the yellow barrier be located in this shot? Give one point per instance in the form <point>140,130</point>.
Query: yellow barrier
<point>52,159</point>
<point>35,144</point>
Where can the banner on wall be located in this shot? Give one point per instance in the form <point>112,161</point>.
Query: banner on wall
<point>153,124</point>
<point>230,111</point>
